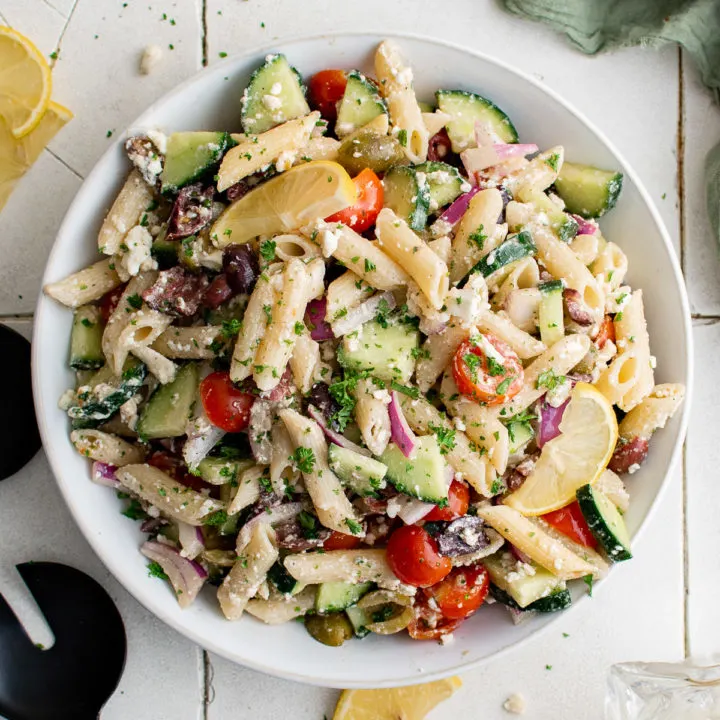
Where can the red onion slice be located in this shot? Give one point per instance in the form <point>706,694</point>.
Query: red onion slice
<point>315,318</point>
<point>457,209</point>
<point>333,436</point>
<point>277,515</point>
<point>186,576</point>
<point>191,539</point>
<point>481,158</point>
<point>400,432</point>
<point>104,474</point>
<point>585,227</point>
<point>363,313</point>
<point>550,418</point>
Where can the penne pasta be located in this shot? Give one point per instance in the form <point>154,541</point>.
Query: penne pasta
<point>85,286</point>
<point>106,447</point>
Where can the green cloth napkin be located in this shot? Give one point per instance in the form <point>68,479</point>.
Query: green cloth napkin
<point>596,25</point>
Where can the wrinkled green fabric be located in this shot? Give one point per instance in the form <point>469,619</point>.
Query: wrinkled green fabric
<point>596,25</point>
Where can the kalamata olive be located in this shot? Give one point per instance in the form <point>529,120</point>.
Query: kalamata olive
<point>218,292</point>
<point>368,149</point>
<point>462,536</point>
<point>176,292</point>
<point>241,267</point>
<point>320,397</point>
<point>628,455</point>
<point>439,146</point>
<point>191,212</point>
<point>332,629</point>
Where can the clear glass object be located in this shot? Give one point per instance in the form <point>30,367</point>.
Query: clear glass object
<point>663,691</point>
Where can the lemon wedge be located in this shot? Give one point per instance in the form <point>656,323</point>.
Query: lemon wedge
<point>403,703</point>
<point>25,82</point>
<point>287,202</point>
<point>16,156</point>
<point>576,457</point>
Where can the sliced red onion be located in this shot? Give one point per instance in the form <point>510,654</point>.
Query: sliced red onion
<point>520,555</point>
<point>191,539</point>
<point>333,436</point>
<point>412,510</point>
<point>400,432</point>
<point>186,576</point>
<point>277,515</point>
<point>457,209</point>
<point>315,318</point>
<point>362,313</point>
<point>104,474</point>
<point>585,227</point>
<point>481,158</point>
<point>550,418</point>
<point>202,437</point>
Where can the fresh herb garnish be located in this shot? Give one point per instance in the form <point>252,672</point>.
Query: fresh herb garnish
<point>549,380</point>
<point>354,526</point>
<point>501,389</point>
<point>494,367</point>
<point>445,437</point>
<point>230,328</point>
<point>588,580</point>
<point>308,525</point>
<point>304,458</point>
<point>412,392</point>
<point>135,301</point>
<point>267,250</point>
<point>478,237</point>
<point>155,570</point>
<point>219,517</point>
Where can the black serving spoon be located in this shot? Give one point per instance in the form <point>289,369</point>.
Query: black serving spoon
<point>19,437</point>
<point>74,678</point>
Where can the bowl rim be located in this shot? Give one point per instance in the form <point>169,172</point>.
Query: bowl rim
<point>280,45</point>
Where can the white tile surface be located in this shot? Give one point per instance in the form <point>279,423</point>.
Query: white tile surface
<point>36,19</point>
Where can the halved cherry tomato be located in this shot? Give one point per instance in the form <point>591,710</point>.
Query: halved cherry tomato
<point>227,407</point>
<point>341,541</point>
<point>606,331</point>
<point>413,556</point>
<point>458,502</point>
<point>326,89</point>
<point>484,378</point>
<point>569,521</point>
<point>462,592</point>
<point>109,301</point>
<point>429,623</point>
<point>364,212</point>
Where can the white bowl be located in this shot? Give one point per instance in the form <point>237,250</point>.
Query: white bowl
<point>211,100</point>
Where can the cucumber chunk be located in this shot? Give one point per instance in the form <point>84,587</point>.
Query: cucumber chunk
<point>524,588</point>
<point>191,156</point>
<point>605,523</point>
<point>406,192</point>
<point>166,413</point>
<point>108,392</point>
<point>165,252</point>
<point>514,247</point>
<point>520,434</point>
<point>359,619</point>
<point>444,182</point>
<point>550,312</point>
<point>466,109</point>
<point>424,476</point>
<point>556,601</point>
<point>221,471</point>
<point>360,104</point>
<point>86,339</point>
<point>563,225</point>
<point>386,351</point>
<point>588,191</point>
<point>362,474</point>
<point>274,95</point>
<point>336,596</point>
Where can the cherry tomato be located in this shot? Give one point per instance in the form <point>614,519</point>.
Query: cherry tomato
<point>484,378</point>
<point>326,89</point>
<point>462,592</point>
<point>570,521</point>
<point>606,331</point>
<point>227,407</point>
<point>364,212</point>
<point>109,301</point>
<point>413,556</point>
<point>458,502</point>
<point>341,541</point>
<point>429,623</point>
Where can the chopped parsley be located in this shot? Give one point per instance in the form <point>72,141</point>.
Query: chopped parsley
<point>445,437</point>
<point>412,392</point>
<point>588,580</point>
<point>420,353</point>
<point>304,458</point>
<point>308,525</point>
<point>87,323</point>
<point>402,137</point>
<point>383,311</point>
<point>369,266</point>
<point>497,487</point>
<point>155,570</point>
<point>354,526</point>
<point>478,237</point>
<point>472,362</point>
<point>219,517</point>
<point>549,380</point>
<point>135,301</point>
<point>230,328</point>
<point>267,250</point>
<point>299,328</point>
<point>501,389</point>
<point>134,511</point>
<point>494,367</point>
<point>553,161</point>
<point>267,309</point>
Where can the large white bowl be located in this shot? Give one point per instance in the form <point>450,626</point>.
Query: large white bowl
<point>210,101</point>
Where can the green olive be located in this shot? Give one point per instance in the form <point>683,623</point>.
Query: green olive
<point>332,629</point>
<point>368,149</point>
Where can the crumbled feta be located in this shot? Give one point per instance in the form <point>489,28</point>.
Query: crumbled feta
<point>135,253</point>
<point>447,639</point>
<point>129,411</point>
<point>271,102</point>
<point>633,468</point>
<point>276,89</point>
<point>459,424</point>
<point>150,58</point>
<point>285,160</point>
<point>382,395</point>
<point>515,704</point>
<point>558,394</point>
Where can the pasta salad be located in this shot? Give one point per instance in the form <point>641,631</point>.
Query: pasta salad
<point>370,363</point>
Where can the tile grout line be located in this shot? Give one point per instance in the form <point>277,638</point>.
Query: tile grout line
<point>686,564</point>
<point>208,691</point>
<point>204,32</point>
<point>680,157</point>
<point>65,164</point>
<point>58,44</point>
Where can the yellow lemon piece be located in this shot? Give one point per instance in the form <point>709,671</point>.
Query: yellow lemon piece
<point>403,703</point>
<point>16,156</point>
<point>25,82</point>
<point>576,457</point>
<point>287,202</point>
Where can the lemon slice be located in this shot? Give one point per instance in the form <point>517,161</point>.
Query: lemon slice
<point>25,82</point>
<point>404,703</point>
<point>287,202</point>
<point>16,156</point>
<point>576,457</point>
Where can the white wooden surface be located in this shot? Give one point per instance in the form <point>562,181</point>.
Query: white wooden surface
<point>659,607</point>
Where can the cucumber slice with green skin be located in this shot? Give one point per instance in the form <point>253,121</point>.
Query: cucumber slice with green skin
<point>550,312</point>
<point>444,182</point>
<point>359,619</point>
<point>424,476</point>
<point>191,156</point>
<point>362,474</point>
<point>166,413</point>
<point>605,523</point>
<point>274,95</point>
<point>563,225</point>
<point>100,406</point>
<point>283,580</point>
<point>220,471</point>
<point>520,434</point>
<point>514,247</point>
<point>524,588</point>
<point>588,191</point>
<point>407,193</point>
<point>86,339</point>
<point>337,596</point>
<point>165,252</point>
<point>466,109</point>
<point>360,104</point>
<point>386,351</point>
<point>556,601</point>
